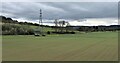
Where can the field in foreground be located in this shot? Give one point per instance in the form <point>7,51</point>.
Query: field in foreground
<point>96,46</point>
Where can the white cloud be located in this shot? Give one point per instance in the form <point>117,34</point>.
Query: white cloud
<point>87,22</point>
<point>95,22</point>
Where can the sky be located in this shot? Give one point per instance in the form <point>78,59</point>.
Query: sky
<point>60,0</point>
<point>76,13</point>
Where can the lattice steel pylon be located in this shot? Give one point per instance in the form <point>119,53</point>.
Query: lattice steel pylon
<point>40,22</point>
<point>40,17</point>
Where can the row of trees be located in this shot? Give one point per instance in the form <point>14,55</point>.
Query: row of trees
<point>99,28</point>
<point>10,20</point>
<point>13,29</point>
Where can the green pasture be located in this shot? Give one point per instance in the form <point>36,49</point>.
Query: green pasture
<point>94,46</point>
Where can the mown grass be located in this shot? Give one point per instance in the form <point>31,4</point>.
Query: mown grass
<point>96,46</point>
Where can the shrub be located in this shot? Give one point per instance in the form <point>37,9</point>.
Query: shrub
<point>48,32</point>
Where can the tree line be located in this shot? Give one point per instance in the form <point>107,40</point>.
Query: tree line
<point>13,27</point>
<point>10,20</point>
<point>97,28</point>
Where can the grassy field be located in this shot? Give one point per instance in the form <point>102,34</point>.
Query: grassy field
<point>96,46</point>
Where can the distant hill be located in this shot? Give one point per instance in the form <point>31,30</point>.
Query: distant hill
<point>13,27</point>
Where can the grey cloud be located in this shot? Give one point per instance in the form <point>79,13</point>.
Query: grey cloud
<point>63,10</point>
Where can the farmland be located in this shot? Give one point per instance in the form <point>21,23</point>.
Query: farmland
<point>95,46</point>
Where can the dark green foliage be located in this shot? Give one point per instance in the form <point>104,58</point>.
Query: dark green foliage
<point>99,28</point>
<point>13,29</point>
<point>48,32</point>
<point>43,35</point>
<point>72,32</point>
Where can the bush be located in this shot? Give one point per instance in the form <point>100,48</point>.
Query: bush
<point>48,32</point>
<point>72,32</point>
